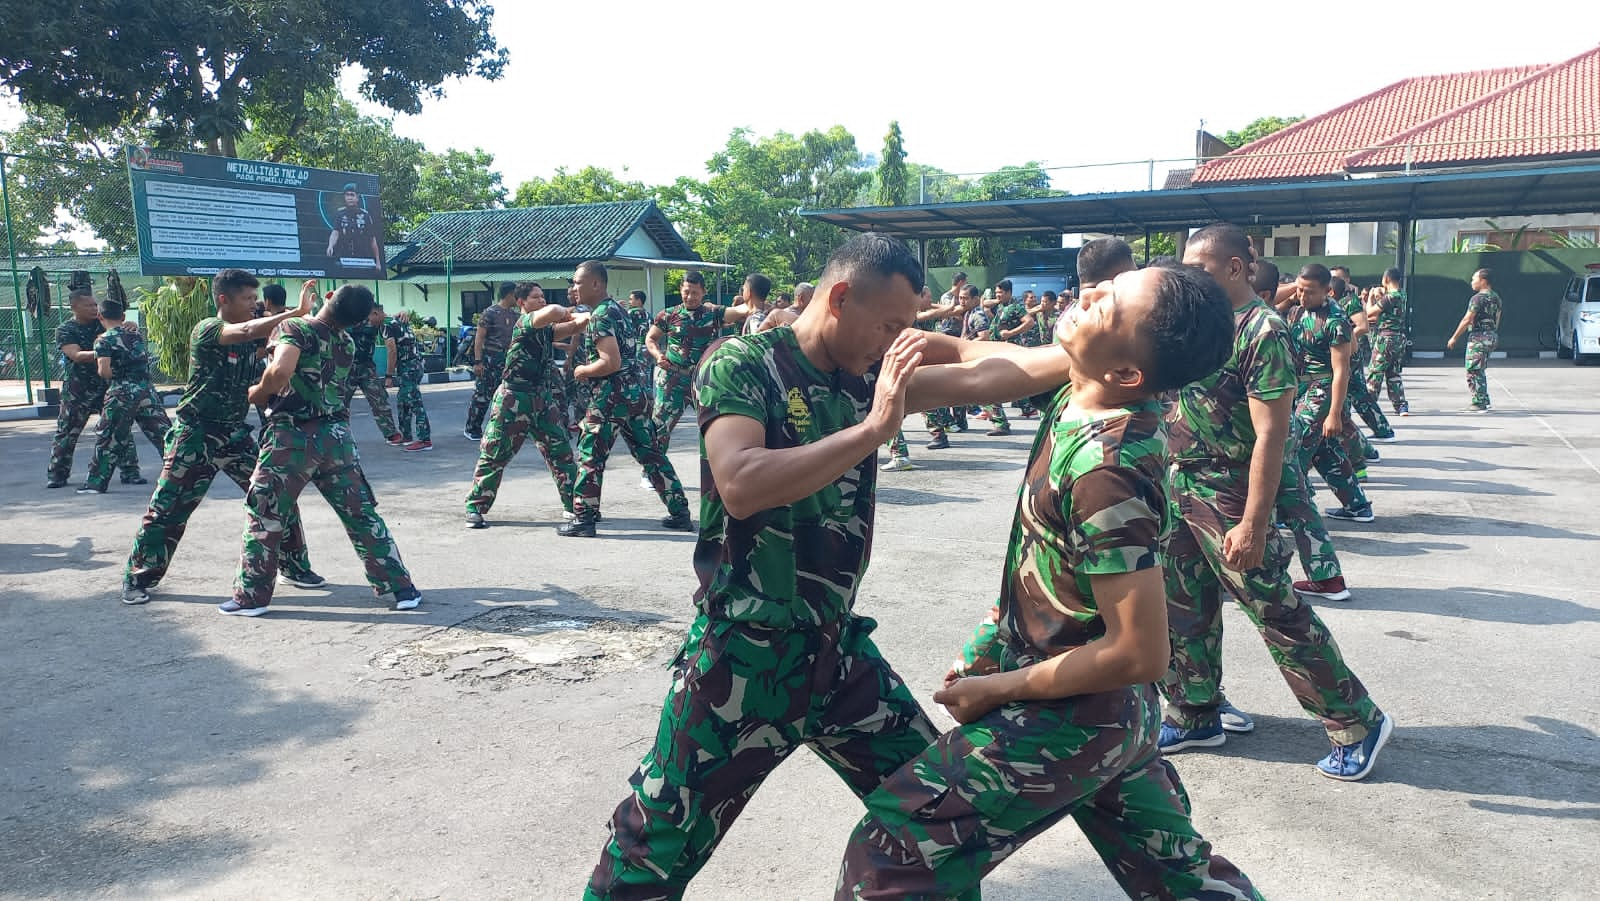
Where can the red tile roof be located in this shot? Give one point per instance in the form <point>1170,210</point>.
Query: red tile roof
<point>1464,118</point>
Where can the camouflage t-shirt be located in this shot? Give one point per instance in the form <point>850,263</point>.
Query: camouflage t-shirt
<point>1315,333</point>
<point>1044,329</point>
<point>801,563</point>
<point>1391,318</point>
<point>528,362</point>
<point>407,349</point>
<point>976,325</point>
<point>497,323</point>
<point>316,389</point>
<point>1093,503</point>
<point>950,325</point>
<point>690,332</point>
<point>1485,307</point>
<point>364,340</point>
<point>1007,318</point>
<point>128,353</point>
<point>81,379</point>
<point>610,320</point>
<point>1210,420</point>
<point>220,376</point>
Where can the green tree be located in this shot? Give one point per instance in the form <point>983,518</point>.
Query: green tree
<point>1258,129</point>
<point>892,174</point>
<point>193,67</point>
<point>457,180</point>
<point>591,184</point>
<point>1007,183</point>
<point>68,180</point>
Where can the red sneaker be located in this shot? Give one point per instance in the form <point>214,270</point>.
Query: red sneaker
<point>420,446</point>
<point>397,440</point>
<point>1328,589</point>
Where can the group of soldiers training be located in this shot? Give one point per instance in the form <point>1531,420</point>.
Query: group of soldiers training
<point>1181,405</point>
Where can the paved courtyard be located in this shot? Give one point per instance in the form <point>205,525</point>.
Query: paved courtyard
<point>475,747</point>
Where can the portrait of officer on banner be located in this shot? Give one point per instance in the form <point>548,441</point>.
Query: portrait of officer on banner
<point>354,242</point>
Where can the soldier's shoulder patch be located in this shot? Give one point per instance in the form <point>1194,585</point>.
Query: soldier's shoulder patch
<point>799,410</point>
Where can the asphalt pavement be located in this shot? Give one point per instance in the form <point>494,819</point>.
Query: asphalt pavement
<point>475,747</point>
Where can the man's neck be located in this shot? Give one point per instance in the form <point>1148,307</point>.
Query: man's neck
<point>808,334</point>
<point>1095,396</point>
<point>1240,295</point>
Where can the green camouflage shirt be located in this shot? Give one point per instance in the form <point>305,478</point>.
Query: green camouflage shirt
<point>799,564</point>
<point>689,332</point>
<point>220,376</point>
<point>80,379</point>
<point>407,349</point>
<point>1044,329</point>
<point>316,389</point>
<point>1391,315</point>
<point>528,362</point>
<point>1210,421</point>
<point>610,320</point>
<point>497,323</point>
<point>364,339</point>
<point>1093,503</point>
<point>1315,334</point>
<point>128,353</point>
<point>1007,318</point>
<point>1485,307</point>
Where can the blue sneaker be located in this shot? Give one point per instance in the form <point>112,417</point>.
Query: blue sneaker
<point>1352,763</point>
<point>1173,739</point>
<point>1234,720</point>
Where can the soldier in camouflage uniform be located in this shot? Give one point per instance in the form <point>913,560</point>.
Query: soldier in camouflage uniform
<point>1386,314</point>
<point>308,441</point>
<point>1225,542</point>
<point>776,658</point>
<point>1011,321</point>
<point>639,314</point>
<point>210,435</point>
<point>1362,401</point>
<point>489,344</point>
<point>928,316</point>
<point>123,360</point>
<point>524,405</point>
<point>1481,325</point>
<point>978,326</point>
<point>83,392</point>
<point>1042,739</point>
<point>941,421</point>
<point>677,339</point>
<point>1321,337</point>
<point>364,376</point>
<point>406,369</point>
<point>615,406</point>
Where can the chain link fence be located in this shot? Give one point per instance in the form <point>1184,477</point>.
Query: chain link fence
<point>57,217</point>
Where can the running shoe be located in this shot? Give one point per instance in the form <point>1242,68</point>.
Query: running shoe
<point>1234,720</point>
<point>897,464</point>
<point>1352,762</point>
<point>397,440</point>
<point>475,521</point>
<point>234,608</point>
<point>1363,514</point>
<point>135,479</point>
<point>940,442</point>
<point>1173,739</point>
<point>678,522</point>
<point>303,579</point>
<point>133,594</point>
<point>86,488</point>
<point>407,599</point>
<point>998,433</point>
<point>419,446</point>
<point>1328,589</point>
<point>1390,438</point>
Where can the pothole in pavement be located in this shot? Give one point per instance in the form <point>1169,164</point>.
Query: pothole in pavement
<point>518,644</point>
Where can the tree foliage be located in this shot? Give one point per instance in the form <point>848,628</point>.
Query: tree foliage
<point>69,178</point>
<point>1258,129</point>
<point>1006,183</point>
<point>457,180</point>
<point>591,184</point>
<point>193,67</point>
<point>892,174</point>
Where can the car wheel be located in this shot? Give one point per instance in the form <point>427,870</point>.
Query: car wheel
<point>1564,351</point>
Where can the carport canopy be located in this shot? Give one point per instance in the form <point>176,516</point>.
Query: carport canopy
<point>1523,191</point>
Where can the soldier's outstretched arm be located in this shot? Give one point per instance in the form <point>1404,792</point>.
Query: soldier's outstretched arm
<point>284,359</point>
<point>1002,375</point>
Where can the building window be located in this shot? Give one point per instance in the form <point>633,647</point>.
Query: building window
<point>1319,245</point>
<point>473,303</point>
<point>1286,247</point>
<point>1585,237</point>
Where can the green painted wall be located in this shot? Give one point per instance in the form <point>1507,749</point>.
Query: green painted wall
<point>1531,283</point>
<point>939,277</point>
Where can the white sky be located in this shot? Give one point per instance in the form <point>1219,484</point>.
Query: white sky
<point>655,88</point>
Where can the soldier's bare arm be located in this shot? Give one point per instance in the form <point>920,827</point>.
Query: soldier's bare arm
<point>654,347</point>
<point>102,365</point>
<point>1001,375</point>
<point>1244,545</point>
<point>284,359</point>
<point>609,360</point>
<point>1334,424</point>
<point>77,354</point>
<point>240,332</point>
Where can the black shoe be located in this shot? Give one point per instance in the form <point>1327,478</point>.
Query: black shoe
<point>678,522</point>
<point>135,479</point>
<point>998,433</point>
<point>475,521</point>
<point>472,434</point>
<point>86,488</point>
<point>939,443</point>
<point>580,527</point>
<point>302,579</point>
<point>134,594</point>
<point>56,483</point>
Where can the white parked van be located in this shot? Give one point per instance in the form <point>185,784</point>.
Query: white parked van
<point>1578,322</point>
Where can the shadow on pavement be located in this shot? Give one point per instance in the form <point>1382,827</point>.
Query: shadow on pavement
<point>1467,487</point>
<point>1386,547</point>
<point>132,716</point>
<point>43,558</point>
<point>911,497</point>
<point>1456,464</point>
<point>1483,604</point>
<point>1451,524</point>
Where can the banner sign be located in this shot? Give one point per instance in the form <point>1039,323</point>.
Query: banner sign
<point>197,214</point>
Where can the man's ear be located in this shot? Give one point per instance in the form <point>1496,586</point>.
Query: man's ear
<point>836,295</point>
<point>1126,378</point>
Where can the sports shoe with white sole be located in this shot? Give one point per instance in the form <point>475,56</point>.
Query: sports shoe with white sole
<point>234,608</point>
<point>1173,739</point>
<point>306,579</point>
<point>1235,720</point>
<point>407,599</point>
<point>1353,762</point>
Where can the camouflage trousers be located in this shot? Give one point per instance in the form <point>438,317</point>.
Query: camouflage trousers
<point>71,416</point>
<point>484,388</point>
<point>612,412</point>
<point>1479,347</point>
<point>1388,358</point>
<point>945,819</point>
<point>1210,499</point>
<point>1354,441</point>
<point>997,416</point>
<point>939,421</point>
<point>743,698</point>
<point>127,404</point>
<point>1327,455</point>
<point>673,392</point>
<point>371,386</point>
<point>513,416</point>
<point>897,445</point>
<point>1365,405</point>
<point>195,454</point>
<point>1301,517</point>
<point>318,452</point>
<point>412,415</point>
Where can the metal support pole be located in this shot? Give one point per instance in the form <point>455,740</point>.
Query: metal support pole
<point>16,279</point>
<point>1146,247</point>
<point>449,320</point>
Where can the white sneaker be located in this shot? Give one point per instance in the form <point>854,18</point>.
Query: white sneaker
<point>897,464</point>
<point>644,484</point>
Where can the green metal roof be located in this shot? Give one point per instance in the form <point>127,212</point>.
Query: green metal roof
<point>537,237</point>
<point>459,278</point>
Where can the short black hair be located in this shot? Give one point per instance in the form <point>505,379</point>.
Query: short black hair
<point>351,305</point>
<point>1189,329</point>
<point>229,282</point>
<point>1049,294</point>
<point>1266,277</point>
<point>873,253</point>
<point>1165,261</point>
<point>507,288</point>
<point>958,277</point>
<point>275,295</point>
<point>110,309</point>
<point>694,277</point>
<point>1341,268</point>
<point>1337,286</point>
<point>759,285</point>
<point>971,290</point>
<point>1226,240</point>
<point>1391,274</point>
<point>79,291</point>
<point>639,294</point>
<point>1102,259</point>
<point>1003,285</point>
<point>596,269</point>
<point>1486,274</point>
<point>1316,273</point>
